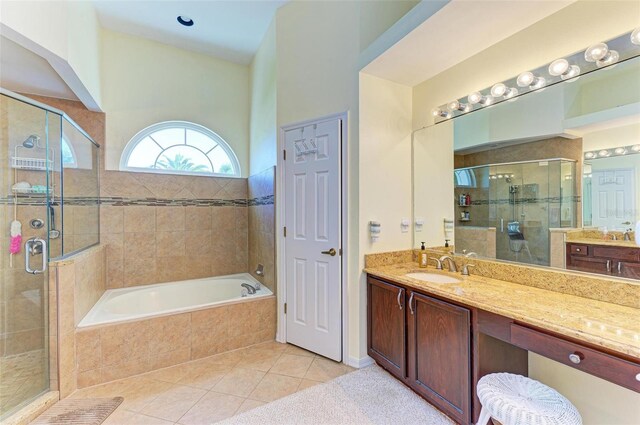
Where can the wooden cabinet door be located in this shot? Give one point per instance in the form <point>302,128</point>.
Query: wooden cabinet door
<point>439,354</point>
<point>386,333</point>
<point>627,269</point>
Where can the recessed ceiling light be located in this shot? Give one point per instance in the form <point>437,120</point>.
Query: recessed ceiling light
<point>185,20</point>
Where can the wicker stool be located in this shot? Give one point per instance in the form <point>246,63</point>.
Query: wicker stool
<point>517,400</point>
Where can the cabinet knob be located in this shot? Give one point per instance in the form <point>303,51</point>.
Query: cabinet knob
<point>576,358</point>
<point>578,250</point>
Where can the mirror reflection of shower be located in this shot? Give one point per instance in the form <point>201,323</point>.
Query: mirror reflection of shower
<point>514,206</point>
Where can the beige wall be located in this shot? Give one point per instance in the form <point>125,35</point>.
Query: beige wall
<point>263,126</point>
<point>317,74</point>
<point>72,44</point>
<point>146,82</point>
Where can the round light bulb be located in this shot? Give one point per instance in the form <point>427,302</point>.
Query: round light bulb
<point>573,72</point>
<point>635,36</point>
<point>611,57</point>
<point>635,148</point>
<point>435,112</point>
<point>589,155</point>
<point>498,90</point>
<point>525,79</point>
<point>620,151</point>
<point>596,52</point>
<point>453,106</point>
<point>500,176</point>
<point>474,97</point>
<point>558,67</point>
<point>603,153</point>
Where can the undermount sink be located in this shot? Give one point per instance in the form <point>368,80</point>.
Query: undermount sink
<point>433,277</point>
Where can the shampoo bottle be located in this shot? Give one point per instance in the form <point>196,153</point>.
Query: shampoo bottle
<point>422,262</point>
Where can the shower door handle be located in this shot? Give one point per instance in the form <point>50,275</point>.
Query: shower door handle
<point>502,225</point>
<point>35,246</point>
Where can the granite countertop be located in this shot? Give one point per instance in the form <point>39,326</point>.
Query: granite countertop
<point>608,242</point>
<point>600,323</point>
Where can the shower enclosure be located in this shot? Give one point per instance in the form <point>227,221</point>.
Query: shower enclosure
<point>48,209</point>
<point>512,206</point>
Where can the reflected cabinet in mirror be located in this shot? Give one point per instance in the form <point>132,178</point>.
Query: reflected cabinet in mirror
<point>549,178</point>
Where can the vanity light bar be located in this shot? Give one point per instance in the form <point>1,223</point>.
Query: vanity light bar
<point>618,151</point>
<point>596,56</point>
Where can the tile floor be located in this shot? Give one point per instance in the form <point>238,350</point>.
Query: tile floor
<point>215,388</point>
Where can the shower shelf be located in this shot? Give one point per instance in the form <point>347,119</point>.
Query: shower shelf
<point>23,163</point>
<point>31,191</point>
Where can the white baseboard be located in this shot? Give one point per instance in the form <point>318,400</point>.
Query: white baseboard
<point>359,363</point>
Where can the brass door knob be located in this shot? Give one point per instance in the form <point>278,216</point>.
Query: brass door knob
<point>331,252</point>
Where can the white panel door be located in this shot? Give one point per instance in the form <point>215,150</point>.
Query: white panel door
<point>613,196</point>
<point>313,238</point>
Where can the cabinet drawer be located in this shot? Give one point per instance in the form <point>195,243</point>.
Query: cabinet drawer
<point>575,249</point>
<point>613,369</point>
<point>615,252</point>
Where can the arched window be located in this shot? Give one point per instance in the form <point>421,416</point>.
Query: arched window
<point>179,147</point>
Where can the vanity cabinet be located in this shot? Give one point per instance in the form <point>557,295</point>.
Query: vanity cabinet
<point>439,354</point>
<point>424,342</point>
<point>387,323</point>
<point>616,261</point>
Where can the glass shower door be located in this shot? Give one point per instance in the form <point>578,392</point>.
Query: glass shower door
<point>521,198</point>
<point>25,184</point>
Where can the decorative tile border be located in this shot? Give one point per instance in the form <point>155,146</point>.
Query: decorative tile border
<point>150,202</point>
<point>158,202</point>
<point>263,200</point>
<point>551,200</point>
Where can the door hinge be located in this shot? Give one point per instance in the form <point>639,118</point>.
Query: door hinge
<point>285,308</point>
<point>340,252</point>
<point>284,231</point>
<point>284,154</point>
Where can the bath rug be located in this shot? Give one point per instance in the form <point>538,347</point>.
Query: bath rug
<point>368,396</point>
<point>79,411</point>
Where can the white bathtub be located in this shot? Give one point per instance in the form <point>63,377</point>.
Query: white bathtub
<point>117,305</point>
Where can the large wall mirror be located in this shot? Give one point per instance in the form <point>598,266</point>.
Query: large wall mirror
<point>549,178</point>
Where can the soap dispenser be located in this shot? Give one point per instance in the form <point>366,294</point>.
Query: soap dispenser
<point>422,262</point>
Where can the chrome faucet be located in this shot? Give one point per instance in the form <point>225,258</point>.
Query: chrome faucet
<point>260,270</point>
<point>450,263</point>
<point>250,288</point>
<point>627,235</point>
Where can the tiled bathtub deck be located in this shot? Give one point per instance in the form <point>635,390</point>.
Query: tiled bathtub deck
<point>215,388</point>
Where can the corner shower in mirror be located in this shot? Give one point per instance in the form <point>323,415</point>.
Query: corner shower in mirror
<point>549,178</point>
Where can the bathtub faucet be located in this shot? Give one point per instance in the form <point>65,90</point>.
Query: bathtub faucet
<point>250,288</point>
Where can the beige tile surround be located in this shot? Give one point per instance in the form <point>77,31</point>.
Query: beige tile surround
<point>146,244</point>
<point>75,285</point>
<point>109,352</point>
<point>262,240</point>
<point>216,387</point>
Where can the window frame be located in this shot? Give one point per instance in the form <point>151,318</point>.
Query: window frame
<point>185,125</point>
